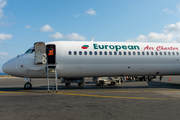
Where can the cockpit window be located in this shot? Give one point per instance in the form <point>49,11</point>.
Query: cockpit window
<point>31,50</point>
<point>28,51</point>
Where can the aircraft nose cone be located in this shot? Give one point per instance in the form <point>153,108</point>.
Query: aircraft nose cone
<point>5,68</point>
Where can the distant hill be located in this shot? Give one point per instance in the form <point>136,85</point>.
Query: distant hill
<point>2,73</point>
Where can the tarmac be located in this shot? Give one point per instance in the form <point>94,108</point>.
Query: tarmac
<point>132,100</point>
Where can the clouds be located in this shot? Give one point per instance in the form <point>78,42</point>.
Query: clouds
<point>27,26</point>
<point>91,12</point>
<point>178,6</point>
<point>172,28</point>
<point>73,36</point>
<point>168,11</point>
<point>5,36</point>
<point>47,28</point>
<point>2,5</point>
<point>171,34</point>
<point>76,15</point>
<point>88,12</point>
<point>152,37</point>
<point>57,35</point>
<point>6,23</point>
<point>5,55</point>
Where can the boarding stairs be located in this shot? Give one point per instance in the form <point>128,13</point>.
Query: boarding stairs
<point>52,72</point>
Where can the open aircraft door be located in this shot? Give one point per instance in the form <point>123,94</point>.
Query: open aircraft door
<point>40,53</point>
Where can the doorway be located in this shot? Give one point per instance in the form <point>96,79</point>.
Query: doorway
<point>51,53</point>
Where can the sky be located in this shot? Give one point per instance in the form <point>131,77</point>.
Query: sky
<point>24,22</point>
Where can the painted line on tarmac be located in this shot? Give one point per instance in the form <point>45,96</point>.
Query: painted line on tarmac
<point>122,91</point>
<point>142,91</point>
<point>77,91</point>
<point>104,96</point>
<point>163,91</point>
<point>25,92</point>
<point>100,96</point>
<point>13,92</point>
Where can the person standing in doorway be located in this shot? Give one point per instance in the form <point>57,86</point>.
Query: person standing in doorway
<point>51,59</point>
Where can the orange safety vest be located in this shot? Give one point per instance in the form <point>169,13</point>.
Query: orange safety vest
<point>51,52</point>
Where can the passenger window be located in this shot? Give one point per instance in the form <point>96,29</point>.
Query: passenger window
<point>124,53</point>
<point>115,53</point>
<point>173,53</point>
<point>110,53</point>
<point>80,53</point>
<point>69,52</point>
<point>100,53</point>
<point>156,53</point>
<point>75,53</point>
<point>90,53</point>
<point>95,53</point>
<point>129,53</point>
<point>164,53</point>
<point>105,53</point>
<point>177,53</point>
<point>120,53</point>
<point>152,53</point>
<point>134,53</point>
<point>169,53</point>
<point>85,53</point>
<point>138,53</point>
<point>147,53</point>
<point>160,53</point>
<point>143,53</point>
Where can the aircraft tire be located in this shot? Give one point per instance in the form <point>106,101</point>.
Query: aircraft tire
<point>150,78</point>
<point>113,83</point>
<point>27,86</point>
<point>146,78</point>
<point>122,80</point>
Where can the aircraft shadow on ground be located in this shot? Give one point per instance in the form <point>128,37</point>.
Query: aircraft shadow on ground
<point>151,84</point>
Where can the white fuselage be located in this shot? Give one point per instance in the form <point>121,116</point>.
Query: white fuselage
<point>109,61</point>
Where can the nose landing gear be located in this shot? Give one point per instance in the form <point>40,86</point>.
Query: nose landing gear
<point>27,86</point>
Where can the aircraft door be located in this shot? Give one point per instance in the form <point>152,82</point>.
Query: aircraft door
<point>40,53</point>
<point>51,53</point>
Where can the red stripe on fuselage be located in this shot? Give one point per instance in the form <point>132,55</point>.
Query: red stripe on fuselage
<point>84,47</point>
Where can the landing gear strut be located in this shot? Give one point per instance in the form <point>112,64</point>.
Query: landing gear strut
<point>27,86</point>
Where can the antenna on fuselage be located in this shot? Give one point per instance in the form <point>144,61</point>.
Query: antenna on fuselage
<point>92,39</point>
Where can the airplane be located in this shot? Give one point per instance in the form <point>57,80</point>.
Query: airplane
<point>75,59</point>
